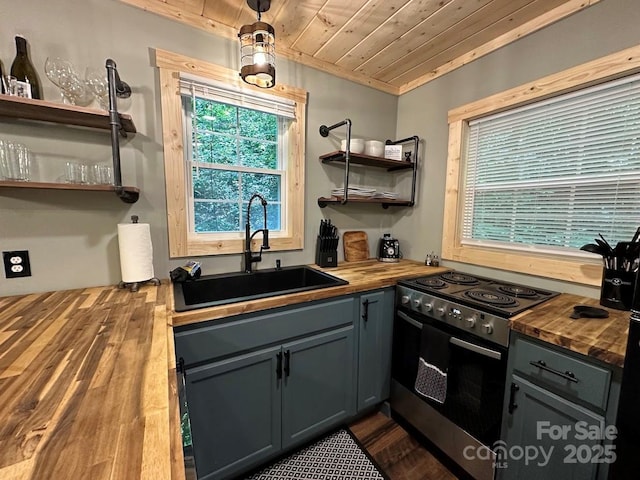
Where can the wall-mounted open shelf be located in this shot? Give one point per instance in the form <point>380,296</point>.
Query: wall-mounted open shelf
<point>39,110</point>
<point>349,158</point>
<point>132,192</point>
<point>19,108</point>
<point>385,202</point>
<point>368,160</point>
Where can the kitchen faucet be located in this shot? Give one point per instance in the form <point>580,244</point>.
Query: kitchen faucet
<point>249,257</point>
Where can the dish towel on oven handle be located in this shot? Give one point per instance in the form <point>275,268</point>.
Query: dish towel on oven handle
<point>433,364</point>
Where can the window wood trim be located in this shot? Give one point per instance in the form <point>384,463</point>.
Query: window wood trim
<point>183,243</point>
<point>578,270</point>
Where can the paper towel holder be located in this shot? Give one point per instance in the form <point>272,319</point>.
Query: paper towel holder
<point>134,286</point>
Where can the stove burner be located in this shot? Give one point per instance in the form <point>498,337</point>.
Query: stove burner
<point>432,282</point>
<point>516,291</point>
<point>459,278</point>
<point>491,298</point>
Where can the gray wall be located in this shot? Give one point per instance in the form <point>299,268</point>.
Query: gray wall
<point>71,236</point>
<point>607,27</point>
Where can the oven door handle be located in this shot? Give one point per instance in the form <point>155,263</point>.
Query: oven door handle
<point>456,341</point>
<point>487,352</point>
<point>409,320</point>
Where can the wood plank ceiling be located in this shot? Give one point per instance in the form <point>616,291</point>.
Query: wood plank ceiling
<point>391,45</point>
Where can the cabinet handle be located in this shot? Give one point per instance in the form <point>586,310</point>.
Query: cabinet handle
<point>287,359</point>
<point>512,398</point>
<point>566,375</point>
<point>365,315</point>
<point>279,365</point>
<point>180,366</point>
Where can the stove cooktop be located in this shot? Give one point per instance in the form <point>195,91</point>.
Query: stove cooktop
<point>484,294</point>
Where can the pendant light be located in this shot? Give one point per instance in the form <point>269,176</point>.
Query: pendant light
<point>258,49</point>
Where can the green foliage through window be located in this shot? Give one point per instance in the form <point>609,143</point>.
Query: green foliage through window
<point>236,152</point>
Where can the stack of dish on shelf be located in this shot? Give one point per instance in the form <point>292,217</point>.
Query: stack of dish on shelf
<point>363,192</point>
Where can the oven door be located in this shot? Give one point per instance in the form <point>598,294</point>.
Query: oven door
<point>475,380</point>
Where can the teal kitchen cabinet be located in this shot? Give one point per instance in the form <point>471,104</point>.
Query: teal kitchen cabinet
<point>375,331</point>
<point>538,425</point>
<point>259,384</point>
<point>235,409</point>
<point>318,384</point>
<point>559,412</point>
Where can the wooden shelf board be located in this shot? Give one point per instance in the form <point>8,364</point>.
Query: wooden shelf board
<point>40,110</point>
<point>65,186</point>
<point>368,160</point>
<point>378,201</point>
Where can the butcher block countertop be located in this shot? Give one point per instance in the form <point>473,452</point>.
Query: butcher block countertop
<point>601,338</point>
<point>85,382</point>
<point>362,276</point>
<point>88,384</point>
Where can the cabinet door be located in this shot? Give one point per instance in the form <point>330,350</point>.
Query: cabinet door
<point>319,390</point>
<point>535,425</point>
<point>235,412</point>
<point>375,329</point>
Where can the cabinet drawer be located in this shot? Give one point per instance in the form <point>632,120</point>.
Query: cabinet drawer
<point>263,328</point>
<point>590,383</point>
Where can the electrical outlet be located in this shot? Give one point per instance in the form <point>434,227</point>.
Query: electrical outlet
<point>16,264</point>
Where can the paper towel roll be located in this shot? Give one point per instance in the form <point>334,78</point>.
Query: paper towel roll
<point>136,252</point>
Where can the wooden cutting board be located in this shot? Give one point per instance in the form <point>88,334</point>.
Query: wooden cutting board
<point>356,246</point>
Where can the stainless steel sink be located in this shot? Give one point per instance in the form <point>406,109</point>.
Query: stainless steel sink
<point>212,290</point>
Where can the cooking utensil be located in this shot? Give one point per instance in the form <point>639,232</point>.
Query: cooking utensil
<point>588,311</point>
<point>606,248</point>
<point>593,248</point>
<point>605,242</point>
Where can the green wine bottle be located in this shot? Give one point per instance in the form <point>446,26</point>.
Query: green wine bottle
<point>2,90</point>
<point>22,69</point>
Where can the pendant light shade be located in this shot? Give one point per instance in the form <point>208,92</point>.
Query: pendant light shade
<point>258,49</point>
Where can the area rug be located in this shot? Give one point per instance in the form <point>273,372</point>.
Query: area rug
<point>338,456</point>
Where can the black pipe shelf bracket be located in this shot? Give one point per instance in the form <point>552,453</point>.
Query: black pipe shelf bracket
<point>118,89</point>
<point>324,132</point>
<point>391,165</point>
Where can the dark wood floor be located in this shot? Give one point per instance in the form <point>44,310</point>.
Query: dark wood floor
<point>397,452</point>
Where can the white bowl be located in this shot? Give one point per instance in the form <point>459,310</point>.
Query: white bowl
<point>375,148</point>
<point>355,146</point>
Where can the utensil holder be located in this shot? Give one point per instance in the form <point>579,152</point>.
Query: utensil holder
<point>327,258</point>
<point>617,288</point>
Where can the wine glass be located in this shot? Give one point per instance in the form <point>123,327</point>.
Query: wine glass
<point>97,82</point>
<point>62,74</point>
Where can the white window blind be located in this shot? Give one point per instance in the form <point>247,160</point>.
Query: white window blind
<point>552,175</point>
<point>223,93</point>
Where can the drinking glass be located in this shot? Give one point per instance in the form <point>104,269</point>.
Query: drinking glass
<point>97,82</point>
<point>15,161</point>
<point>76,172</point>
<point>63,74</point>
<point>3,160</point>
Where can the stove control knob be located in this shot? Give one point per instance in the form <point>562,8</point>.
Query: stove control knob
<point>470,321</point>
<point>417,303</point>
<point>427,307</point>
<point>404,299</point>
<point>440,311</point>
<point>487,328</point>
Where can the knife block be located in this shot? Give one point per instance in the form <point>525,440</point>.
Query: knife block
<point>327,258</point>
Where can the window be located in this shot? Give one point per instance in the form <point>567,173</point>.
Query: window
<point>238,146</point>
<point>224,141</point>
<point>553,174</point>
<point>556,165</point>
